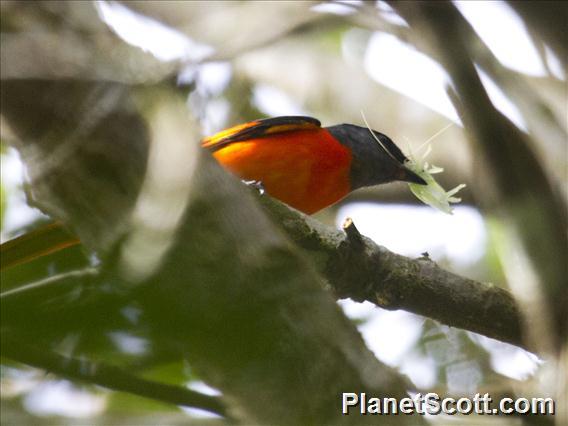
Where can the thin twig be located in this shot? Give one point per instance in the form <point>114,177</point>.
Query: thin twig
<point>49,281</point>
<point>353,235</point>
<point>107,376</point>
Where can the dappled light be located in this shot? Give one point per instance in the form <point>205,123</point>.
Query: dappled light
<point>144,283</point>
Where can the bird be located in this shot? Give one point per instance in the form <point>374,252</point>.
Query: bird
<point>293,158</point>
<point>305,165</point>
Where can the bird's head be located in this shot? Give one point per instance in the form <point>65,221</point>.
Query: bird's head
<point>373,162</point>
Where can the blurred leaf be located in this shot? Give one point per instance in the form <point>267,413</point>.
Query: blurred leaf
<point>121,403</point>
<point>44,240</point>
<point>175,373</point>
<point>3,205</point>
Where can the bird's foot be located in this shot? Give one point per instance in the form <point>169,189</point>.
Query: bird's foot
<point>256,184</point>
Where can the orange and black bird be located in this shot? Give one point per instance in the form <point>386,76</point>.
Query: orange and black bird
<point>307,166</point>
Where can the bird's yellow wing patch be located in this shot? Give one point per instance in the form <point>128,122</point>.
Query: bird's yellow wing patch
<point>259,128</point>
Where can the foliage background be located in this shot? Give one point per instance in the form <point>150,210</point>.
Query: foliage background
<point>237,61</point>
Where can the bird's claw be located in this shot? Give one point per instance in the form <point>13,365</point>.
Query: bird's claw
<point>255,184</point>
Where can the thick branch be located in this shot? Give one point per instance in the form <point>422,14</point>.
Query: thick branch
<point>364,271</point>
<point>121,166</point>
<point>538,114</point>
<point>524,194</point>
<point>209,270</point>
<point>548,18</point>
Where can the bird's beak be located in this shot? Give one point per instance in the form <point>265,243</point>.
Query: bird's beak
<point>407,175</point>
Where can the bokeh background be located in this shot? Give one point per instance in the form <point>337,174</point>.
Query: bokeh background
<point>239,61</point>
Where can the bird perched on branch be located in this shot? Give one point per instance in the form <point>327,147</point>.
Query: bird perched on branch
<point>307,166</point>
<point>296,160</point>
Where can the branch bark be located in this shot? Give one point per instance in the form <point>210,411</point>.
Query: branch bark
<point>357,268</point>
<point>524,197</point>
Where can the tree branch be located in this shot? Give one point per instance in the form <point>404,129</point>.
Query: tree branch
<point>357,268</point>
<point>524,195</point>
<point>207,267</point>
<point>537,113</point>
<point>120,164</point>
<point>548,18</point>
<point>110,377</point>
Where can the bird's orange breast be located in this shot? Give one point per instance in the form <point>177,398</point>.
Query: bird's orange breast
<point>307,169</point>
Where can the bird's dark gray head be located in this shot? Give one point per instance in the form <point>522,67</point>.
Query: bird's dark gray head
<point>373,163</point>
